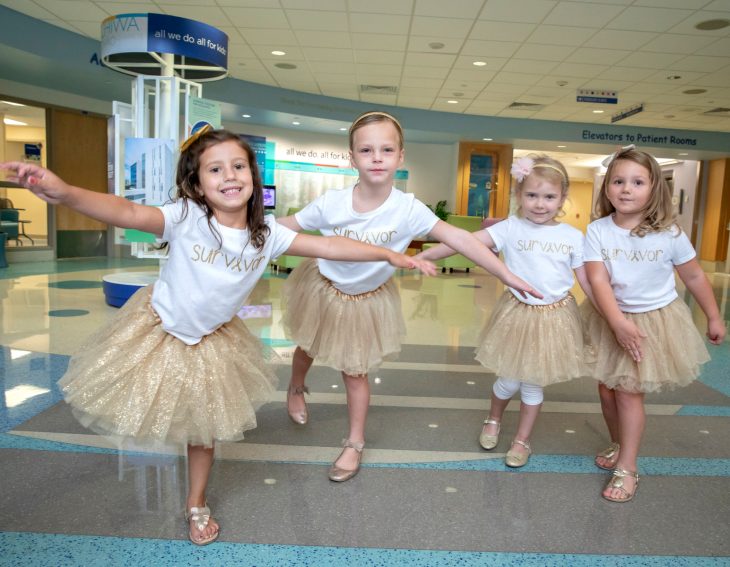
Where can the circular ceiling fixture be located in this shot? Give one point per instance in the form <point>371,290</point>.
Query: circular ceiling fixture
<point>285,65</point>
<point>710,25</point>
<point>436,45</point>
<point>695,91</point>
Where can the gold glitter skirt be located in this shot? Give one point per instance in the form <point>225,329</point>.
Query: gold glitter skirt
<point>673,350</point>
<point>134,380</point>
<point>350,333</point>
<point>537,344</point>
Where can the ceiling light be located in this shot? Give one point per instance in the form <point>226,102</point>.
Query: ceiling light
<point>695,91</point>
<point>296,123</point>
<point>285,65</point>
<point>278,53</point>
<point>246,115</point>
<point>683,154</point>
<point>674,77</point>
<point>562,146</point>
<point>436,45</point>
<point>598,111</point>
<point>11,122</point>
<point>11,103</point>
<point>709,25</point>
<point>479,63</point>
<point>343,129</point>
<point>453,101</point>
<point>487,139</point>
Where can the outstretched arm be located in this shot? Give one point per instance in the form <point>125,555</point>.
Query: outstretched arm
<point>290,222</point>
<point>467,244</point>
<point>628,335</point>
<point>694,278</point>
<point>349,250</point>
<point>442,251</point>
<point>103,207</point>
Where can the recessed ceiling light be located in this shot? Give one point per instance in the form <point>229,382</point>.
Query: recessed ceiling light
<point>709,25</point>
<point>487,139</point>
<point>11,122</point>
<point>670,116</point>
<point>278,53</point>
<point>674,77</point>
<point>11,103</point>
<point>562,146</point>
<point>598,111</point>
<point>246,115</point>
<point>343,129</point>
<point>296,123</point>
<point>436,45</point>
<point>695,91</point>
<point>285,65</point>
<point>479,63</point>
<point>453,101</point>
<point>683,154</point>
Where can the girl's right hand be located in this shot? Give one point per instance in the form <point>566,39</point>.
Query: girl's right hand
<point>630,338</point>
<point>411,262</point>
<point>42,182</point>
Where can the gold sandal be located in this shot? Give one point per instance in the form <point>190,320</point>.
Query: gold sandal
<point>300,418</point>
<point>611,453</point>
<point>336,474</point>
<point>489,442</point>
<point>200,515</point>
<point>617,481</point>
<point>517,460</point>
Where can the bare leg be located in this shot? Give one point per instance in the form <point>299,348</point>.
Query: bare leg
<point>358,401</point>
<point>200,462</point>
<point>610,416</point>
<point>496,411</point>
<point>631,421</point>
<point>301,362</point>
<point>528,417</point>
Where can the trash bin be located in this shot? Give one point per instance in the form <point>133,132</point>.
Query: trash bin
<point>3,239</point>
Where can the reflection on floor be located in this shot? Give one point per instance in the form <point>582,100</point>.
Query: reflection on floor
<point>427,495</point>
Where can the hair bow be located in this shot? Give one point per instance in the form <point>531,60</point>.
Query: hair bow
<point>521,168</point>
<point>610,158</point>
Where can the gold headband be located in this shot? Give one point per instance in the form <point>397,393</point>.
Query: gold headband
<point>376,113</point>
<point>548,166</point>
<point>187,143</point>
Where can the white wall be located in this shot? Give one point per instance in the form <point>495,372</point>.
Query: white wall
<point>431,167</point>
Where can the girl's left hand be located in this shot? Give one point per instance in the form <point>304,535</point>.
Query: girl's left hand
<point>411,262</point>
<point>521,286</point>
<point>716,331</point>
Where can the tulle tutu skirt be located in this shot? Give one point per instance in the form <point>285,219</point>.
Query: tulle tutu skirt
<point>537,344</point>
<point>673,350</point>
<point>350,333</point>
<point>134,380</point>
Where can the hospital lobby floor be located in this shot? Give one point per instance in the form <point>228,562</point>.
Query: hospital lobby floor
<point>427,493</point>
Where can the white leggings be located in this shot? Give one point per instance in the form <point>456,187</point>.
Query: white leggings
<point>505,388</point>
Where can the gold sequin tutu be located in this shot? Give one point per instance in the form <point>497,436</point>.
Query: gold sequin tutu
<point>537,344</point>
<point>673,350</point>
<point>350,333</point>
<point>134,380</point>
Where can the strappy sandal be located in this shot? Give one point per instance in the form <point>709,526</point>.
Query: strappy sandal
<point>489,442</point>
<point>617,481</point>
<point>337,474</point>
<point>517,460</point>
<point>300,418</point>
<point>610,453</point>
<point>200,515</point>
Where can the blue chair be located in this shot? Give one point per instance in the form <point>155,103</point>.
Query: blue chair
<point>10,224</point>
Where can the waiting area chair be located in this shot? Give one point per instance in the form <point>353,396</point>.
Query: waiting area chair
<point>11,223</point>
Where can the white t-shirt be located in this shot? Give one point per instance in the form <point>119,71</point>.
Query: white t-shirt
<point>543,255</point>
<point>203,285</point>
<point>641,268</point>
<point>392,225</point>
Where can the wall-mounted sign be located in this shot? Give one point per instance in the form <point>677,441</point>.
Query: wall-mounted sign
<point>600,96</point>
<point>628,112</point>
